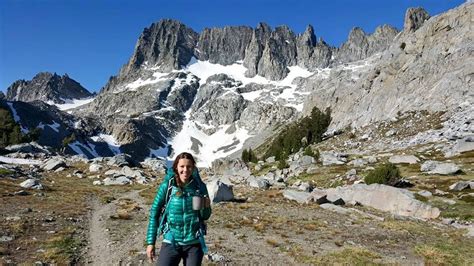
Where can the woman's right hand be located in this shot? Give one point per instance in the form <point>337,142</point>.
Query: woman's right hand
<point>150,253</point>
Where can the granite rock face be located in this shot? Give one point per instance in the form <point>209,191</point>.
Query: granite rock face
<point>312,54</point>
<point>46,87</point>
<point>414,18</point>
<point>223,46</point>
<point>360,45</point>
<point>426,69</point>
<point>168,44</point>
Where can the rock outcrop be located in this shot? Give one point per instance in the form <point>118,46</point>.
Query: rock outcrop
<point>414,19</point>
<point>426,69</point>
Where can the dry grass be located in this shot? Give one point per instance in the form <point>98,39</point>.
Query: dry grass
<point>446,252</point>
<point>67,199</point>
<point>121,215</point>
<point>433,255</point>
<point>62,248</point>
<point>346,256</point>
<point>441,246</point>
<point>273,243</point>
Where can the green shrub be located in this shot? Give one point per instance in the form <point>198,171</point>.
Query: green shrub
<point>309,152</point>
<point>282,164</point>
<point>5,172</point>
<point>300,134</point>
<point>249,156</point>
<point>69,139</point>
<point>387,174</point>
<point>10,131</point>
<point>245,155</point>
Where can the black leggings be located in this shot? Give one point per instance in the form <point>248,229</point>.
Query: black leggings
<point>172,255</point>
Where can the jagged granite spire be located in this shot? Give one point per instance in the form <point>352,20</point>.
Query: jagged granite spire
<point>312,54</point>
<point>359,45</point>
<point>414,18</point>
<point>254,50</point>
<point>168,44</point>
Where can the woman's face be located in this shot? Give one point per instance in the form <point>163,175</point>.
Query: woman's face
<point>185,169</point>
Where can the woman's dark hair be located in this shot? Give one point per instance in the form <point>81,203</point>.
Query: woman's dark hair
<point>183,155</point>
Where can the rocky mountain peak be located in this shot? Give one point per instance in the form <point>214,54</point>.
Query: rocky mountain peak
<point>308,37</point>
<point>414,18</point>
<point>359,45</point>
<point>46,87</point>
<point>356,35</point>
<point>167,44</point>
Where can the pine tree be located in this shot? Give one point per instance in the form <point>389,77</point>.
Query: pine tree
<point>245,156</point>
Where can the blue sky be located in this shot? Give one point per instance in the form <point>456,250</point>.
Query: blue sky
<point>91,39</point>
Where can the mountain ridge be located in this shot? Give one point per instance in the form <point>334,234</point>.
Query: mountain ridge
<point>241,83</point>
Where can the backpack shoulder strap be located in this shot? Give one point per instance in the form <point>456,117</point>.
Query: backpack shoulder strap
<point>163,211</point>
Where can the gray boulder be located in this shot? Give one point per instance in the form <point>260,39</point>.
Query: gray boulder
<point>93,168</point>
<point>358,162</point>
<point>270,159</point>
<point>462,145</point>
<point>461,185</point>
<point>399,159</point>
<point>219,191</point>
<point>434,167</point>
<point>31,183</point>
<point>386,198</point>
<point>425,193</point>
<point>121,180</point>
<point>258,182</point>
<point>53,164</point>
<point>228,167</point>
<point>332,158</point>
<point>156,165</point>
<point>129,172</point>
<point>119,160</point>
<point>298,196</point>
<point>319,196</point>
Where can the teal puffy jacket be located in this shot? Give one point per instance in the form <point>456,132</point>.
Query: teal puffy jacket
<point>182,222</point>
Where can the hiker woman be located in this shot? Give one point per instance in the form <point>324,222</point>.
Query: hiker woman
<point>178,212</point>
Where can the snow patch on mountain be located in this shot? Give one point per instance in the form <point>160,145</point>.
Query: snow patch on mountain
<point>19,161</point>
<point>113,144</point>
<point>55,126</point>
<point>208,148</point>
<point>157,76</point>
<point>70,103</point>
<point>205,69</point>
<point>78,147</point>
<point>180,82</point>
<point>16,117</point>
